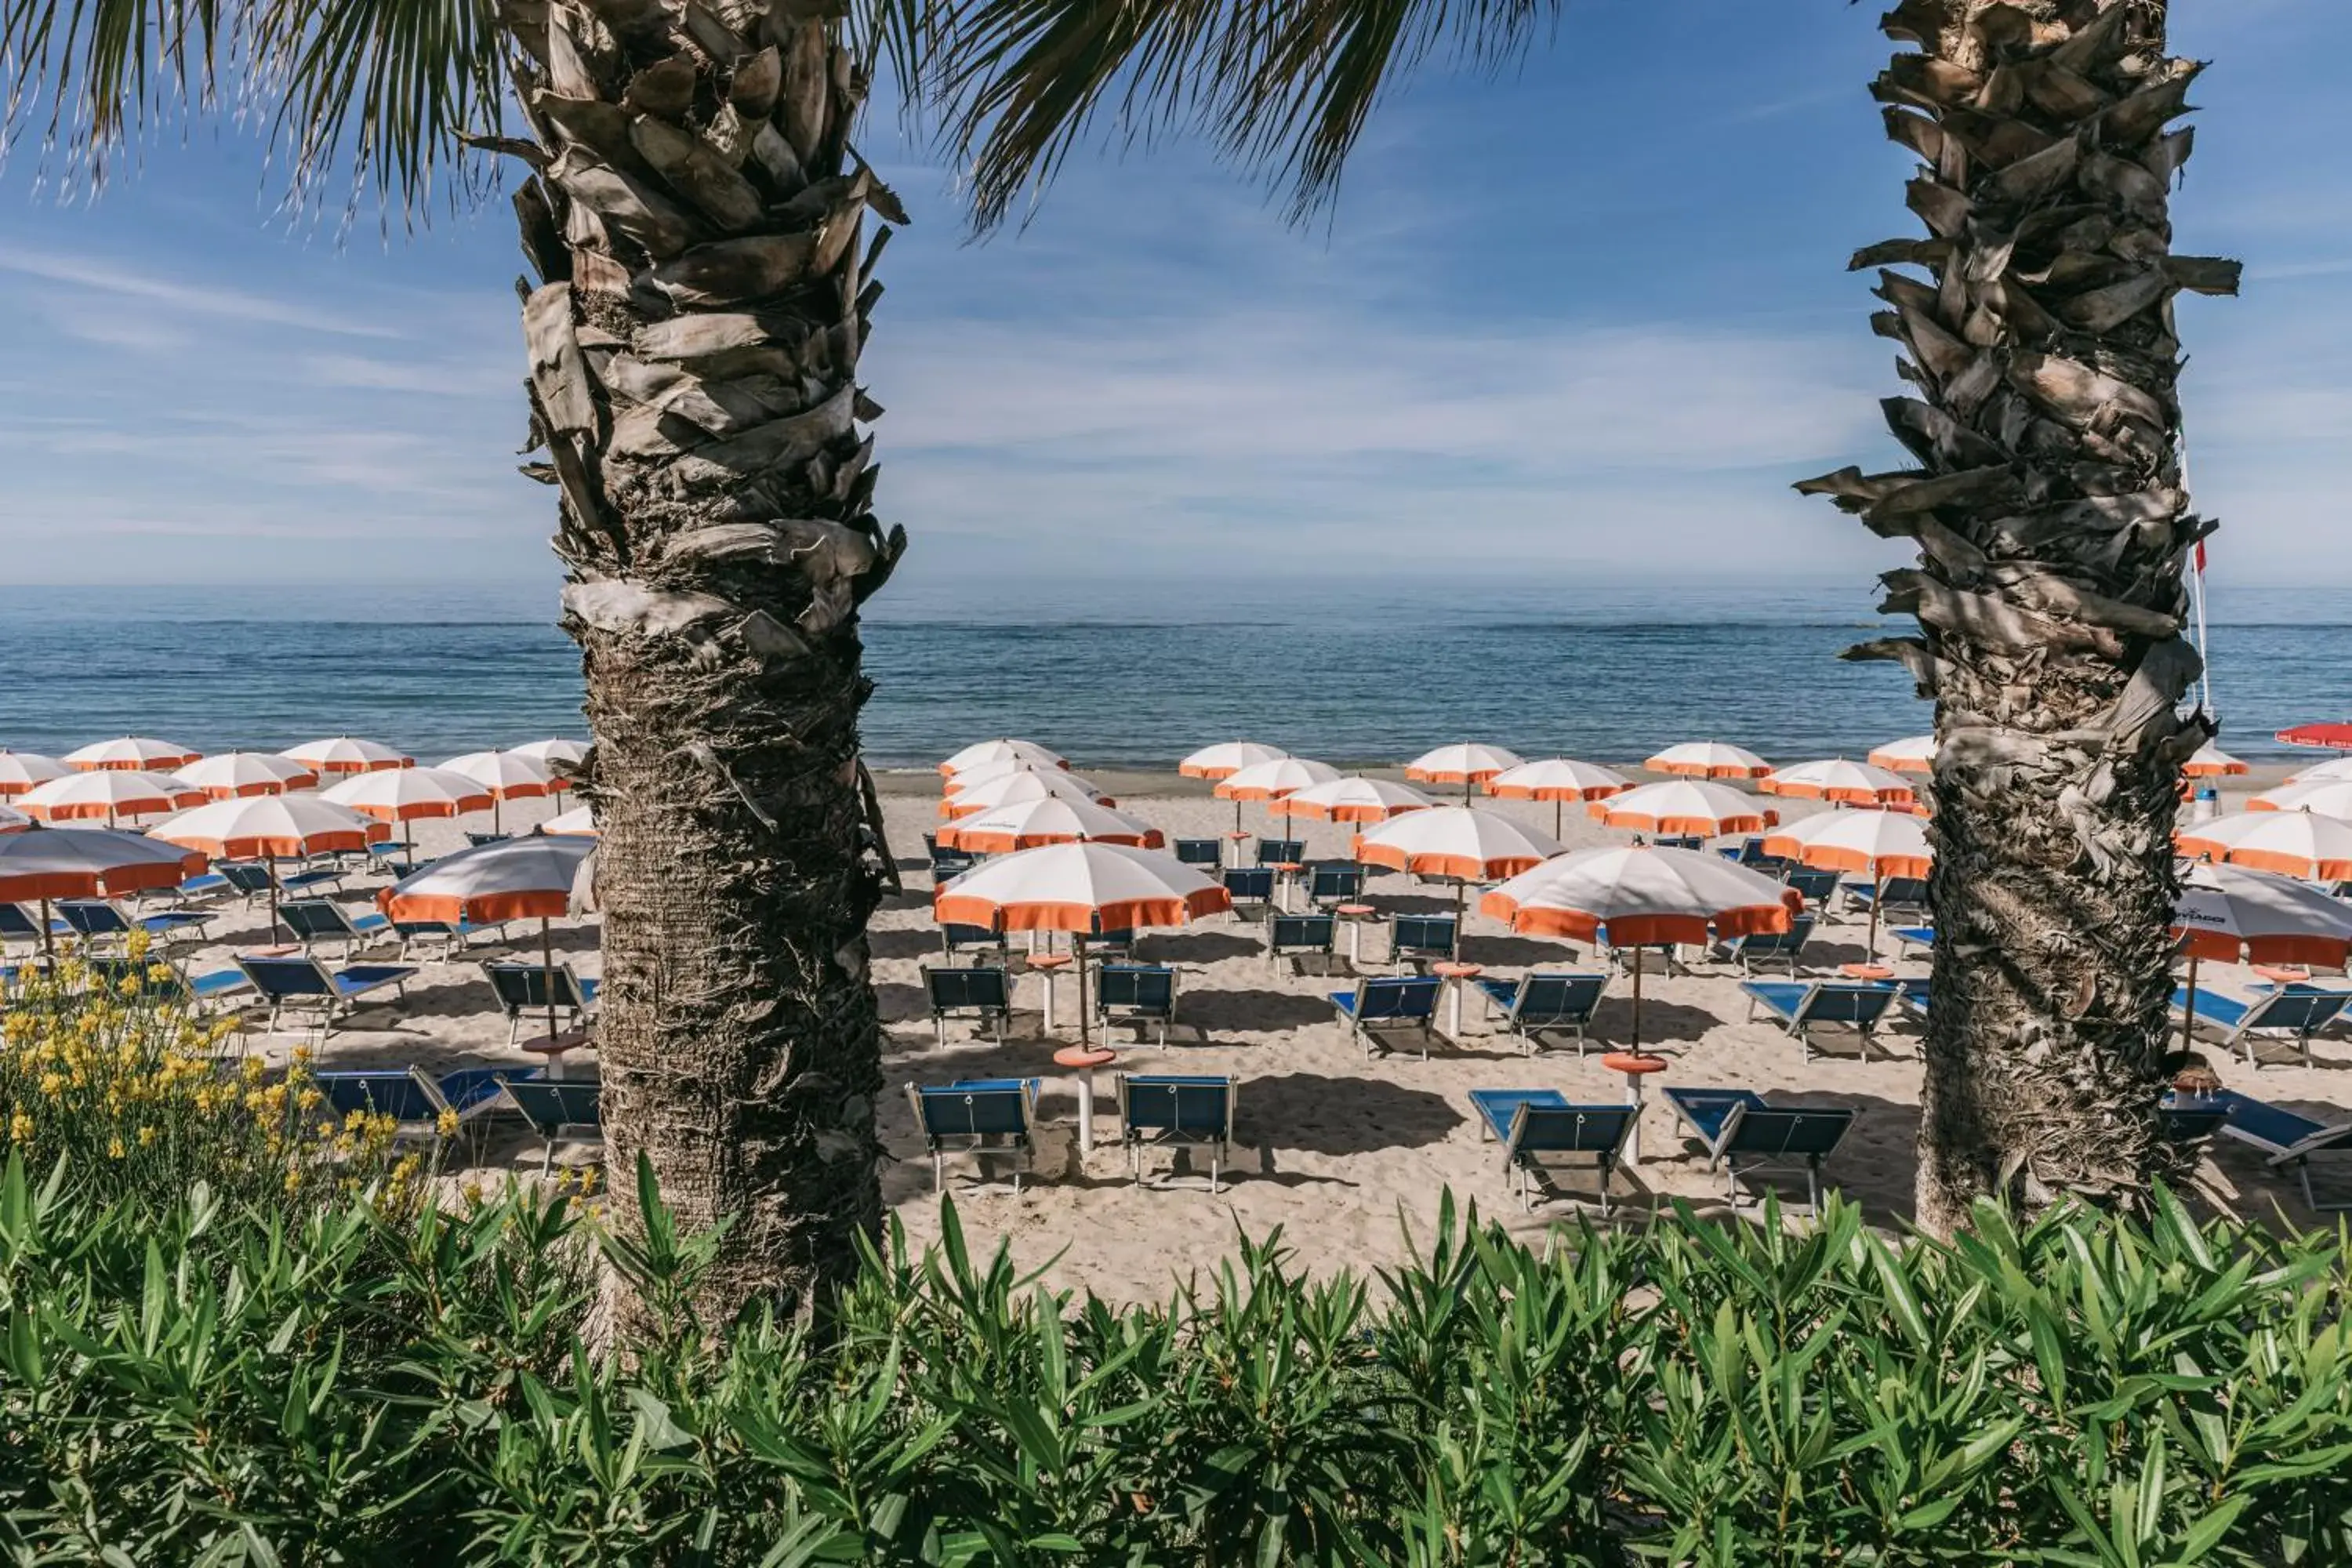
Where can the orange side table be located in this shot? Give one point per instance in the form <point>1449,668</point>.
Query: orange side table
<point>2284,973</point>
<point>1083,1061</point>
<point>1354,915</point>
<point>1635,1068</point>
<point>1048,965</point>
<point>1459,976</point>
<point>1866,972</point>
<point>554,1047</point>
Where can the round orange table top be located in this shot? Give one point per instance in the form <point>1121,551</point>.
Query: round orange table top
<point>1048,960</point>
<point>1238,835</point>
<point>1866,972</point>
<point>1083,1056</point>
<point>555,1045</point>
<point>1451,971</point>
<point>1286,865</point>
<point>1632,1065</point>
<point>1353,912</point>
<point>2282,973</point>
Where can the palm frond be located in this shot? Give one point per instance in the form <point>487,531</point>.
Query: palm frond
<point>1282,87</point>
<point>96,62</point>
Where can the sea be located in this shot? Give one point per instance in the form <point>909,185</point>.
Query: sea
<point>1354,673</point>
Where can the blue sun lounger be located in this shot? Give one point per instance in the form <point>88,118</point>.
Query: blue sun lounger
<point>978,1116</point>
<point>1166,1111</point>
<point>1250,885</point>
<point>415,1100</point>
<point>291,982</point>
<point>169,981</point>
<point>2286,1139</point>
<point>1207,854</point>
<point>984,993</point>
<point>15,925</point>
<point>1334,883</point>
<point>1138,993</point>
<point>522,989</point>
<point>1780,948</point>
<point>1534,1124</point>
<point>1377,1008</point>
<point>1536,1005</point>
<point>1737,1124</point>
<point>1316,936</point>
<point>1414,939</point>
<point>1801,1006</point>
<point>556,1109</point>
<point>1896,897</point>
<point>250,878</point>
<point>323,919</point>
<point>2295,1012</point>
<point>100,919</point>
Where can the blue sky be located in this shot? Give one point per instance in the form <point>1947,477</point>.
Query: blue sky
<point>1582,325</point>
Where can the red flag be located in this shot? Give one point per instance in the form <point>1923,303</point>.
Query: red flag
<point>2200,557</point>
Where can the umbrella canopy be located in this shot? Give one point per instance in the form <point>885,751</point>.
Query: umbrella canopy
<point>262,827</point>
<point>1353,800</point>
<point>1457,841</point>
<point>982,753</point>
<point>347,754</point>
<point>405,795</point>
<point>1556,778</point>
<point>2291,843</point>
<point>83,863</point>
<point>1835,779</point>
<point>1708,760</point>
<point>108,794</point>
<point>2334,737</point>
<point>1010,789</point>
<point>1081,887</point>
<point>1273,780</point>
<point>1914,755</point>
<point>508,776</point>
<point>135,752</point>
<point>514,878</point>
<point>1227,758</point>
<point>1468,763</point>
<point>2328,772</point>
<point>989,772</point>
<point>2329,797</point>
<point>14,821</point>
<point>1879,843</point>
<point>20,771</point>
<point>2225,912</point>
<point>1644,895</point>
<point>556,753</point>
<point>1683,805</point>
<point>2210,761</point>
<point>1029,824</point>
<point>233,773</point>
<point>580,822</point>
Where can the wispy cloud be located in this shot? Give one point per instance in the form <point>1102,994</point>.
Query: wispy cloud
<point>484,375</point>
<point>101,276</point>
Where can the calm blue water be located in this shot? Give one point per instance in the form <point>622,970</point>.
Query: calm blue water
<point>1360,674</point>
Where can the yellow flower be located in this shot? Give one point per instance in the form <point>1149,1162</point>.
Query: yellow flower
<point>52,1083</point>
<point>147,1136</point>
<point>20,1128</point>
<point>160,974</point>
<point>587,1178</point>
<point>253,1069</point>
<point>114,1150</point>
<point>128,986</point>
<point>446,1123</point>
<point>301,1057</point>
<point>294,1180</point>
<point>472,1189</point>
<point>137,944</point>
<point>308,1099</point>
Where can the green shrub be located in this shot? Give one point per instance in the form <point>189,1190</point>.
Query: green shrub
<point>204,1380</point>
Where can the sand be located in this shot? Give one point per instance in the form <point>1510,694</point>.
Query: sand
<point>1346,1156</point>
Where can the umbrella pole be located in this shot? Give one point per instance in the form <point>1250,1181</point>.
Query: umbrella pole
<point>1637,1001</point>
<point>1085,1021</point>
<point>1461,895</point>
<point>49,937</point>
<point>1878,889</point>
<point>494,811</point>
<point>1556,807</point>
<point>271,862</point>
<point>547,973</point>
<point>2189,1012</point>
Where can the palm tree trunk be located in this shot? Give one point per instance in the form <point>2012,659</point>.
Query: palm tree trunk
<point>2052,526</point>
<point>695,217</point>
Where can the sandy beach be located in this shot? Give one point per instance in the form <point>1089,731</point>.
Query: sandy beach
<point>1343,1154</point>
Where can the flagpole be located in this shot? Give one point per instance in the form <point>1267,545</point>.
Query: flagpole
<point>2197,603</point>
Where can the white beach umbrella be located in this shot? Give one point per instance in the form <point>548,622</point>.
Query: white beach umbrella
<point>1642,897</point>
<point>20,771</point>
<point>1010,789</point>
<point>508,776</point>
<point>533,877</point>
<point>982,753</point>
<point>1556,780</point>
<point>1226,758</point>
<point>1914,754</point>
<point>989,772</point>
<point>406,794</point>
<point>1682,806</point>
<point>2226,913</point>
<point>2289,843</point>
<point>2333,771</point>
<point>1351,800</point>
<point>2210,761</point>
<point>270,828</point>
<point>2329,797</point>
<point>1845,782</point>
<point>1031,824</point>
<point>347,754</point>
<point>14,821</point>
<point>1877,844</point>
<point>1466,764</point>
<point>557,753</point>
<point>107,796</point>
<point>84,863</point>
<point>1271,781</point>
<point>229,775</point>
<point>1708,760</point>
<point>580,822</point>
<point>132,753</point>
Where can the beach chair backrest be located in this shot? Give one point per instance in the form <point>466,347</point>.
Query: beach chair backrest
<point>1200,851</point>
<point>1570,1129</point>
<point>1773,1132</point>
<point>154,979</point>
<point>2188,1123</point>
<point>1199,1106</point>
<point>277,976</point>
<point>985,987</point>
<point>92,916</point>
<point>1903,891</point>
<point>1120,939</point>
<point>974,1108</point>
<point>1557,998</point>
<point>15,925</point>
<point>308,918</point>
<point>401,1093</point>
<point>1813,883</point>
<point>1146,988</point>
<point>245,876</point>
<point>1847,1001</point>
<point>1249,884</point>
<point>1422,934</point>
<point>959,937</point>
<point>1328,884</point>
<point>1791,941</point>
<point>550,1104</point>
<point>2301,1011</point>
<point>1403,996</point>
<point>1309,933</point>
<point>1281,851</point>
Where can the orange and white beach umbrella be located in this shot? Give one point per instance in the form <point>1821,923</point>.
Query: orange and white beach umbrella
<point>580,822</point>
<point>231,774</point>
<point>2329,797</point>
<point>531,878</point>
<point>1845,782</point>
<point>1457,841</point>
<point>82,863</point>
<point>106,796</point>
<point>2227,913</point>
<point>136,754</point>
<point>1914,754</point>
<point>1681,807</point>
<point>1875,843</point>
<point>2291,843</point>
<point>347,754</point>
<point>989,772</point>
<point>1032,824</point>
<point>1227,758</point>
<point>1026,783</point>
<point>1556,780</point>
<point>2210,761</point>
<point>558,753</point>
<point>980,754</point>
<point>1468,763</point>
<point>2332,771</point>
<point>407,794</point>
<point>1351,800</point>
<point>507,777</point>
<point>1273,780</point>
<point>1708,760</point>
<point>1084,888</point>
<point>265,828</point>
<point>14,821</point>
<point>21,771</point>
